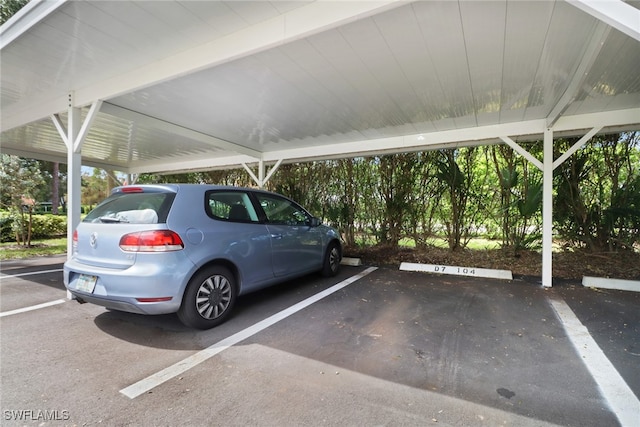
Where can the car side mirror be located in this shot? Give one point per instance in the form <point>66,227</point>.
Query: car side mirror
<point>314,222</point>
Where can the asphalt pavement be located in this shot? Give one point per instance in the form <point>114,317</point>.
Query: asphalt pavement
<point>368,347</point>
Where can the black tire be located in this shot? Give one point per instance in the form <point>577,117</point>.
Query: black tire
<point>209,298</point>
<point>332,258</point>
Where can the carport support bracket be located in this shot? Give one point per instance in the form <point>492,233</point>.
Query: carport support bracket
<point>73,137</point>
<point>547,167</point>
<point>261,180</point>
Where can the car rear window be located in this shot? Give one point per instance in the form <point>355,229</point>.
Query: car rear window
<point>133,208</point>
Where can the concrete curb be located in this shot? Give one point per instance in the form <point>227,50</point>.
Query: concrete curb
<point>606,283</point>
<point>457,271</point>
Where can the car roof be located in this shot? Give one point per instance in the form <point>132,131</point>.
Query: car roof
<point>174,188</point>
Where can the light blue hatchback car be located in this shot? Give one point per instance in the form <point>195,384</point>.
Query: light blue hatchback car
<point>193,249</point>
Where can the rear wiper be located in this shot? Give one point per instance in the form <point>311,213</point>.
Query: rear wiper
<point>111,220</point>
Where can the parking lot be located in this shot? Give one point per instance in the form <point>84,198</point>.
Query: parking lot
<point>368,347</point>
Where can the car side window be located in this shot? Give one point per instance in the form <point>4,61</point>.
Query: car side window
<point>232,206</point>
<point>282,211</point>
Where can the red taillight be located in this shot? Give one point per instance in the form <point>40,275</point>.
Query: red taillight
<point>74,241</point>
<point>151,241</point>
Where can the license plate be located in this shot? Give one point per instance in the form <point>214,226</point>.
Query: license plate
<point>86,283</point>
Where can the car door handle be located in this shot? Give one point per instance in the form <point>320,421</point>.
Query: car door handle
<point>276,236</point>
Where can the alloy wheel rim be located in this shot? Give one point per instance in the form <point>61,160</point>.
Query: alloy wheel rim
<point>213,297</point>
<point>333,259</point>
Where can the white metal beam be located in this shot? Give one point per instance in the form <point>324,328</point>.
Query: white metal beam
<point>47,156</point>
<point>31,14</point>
<point>628,119</point>
<point>580,75</point>
<point>190,164</point>
<point>616,13</point>
<point>416,142</point>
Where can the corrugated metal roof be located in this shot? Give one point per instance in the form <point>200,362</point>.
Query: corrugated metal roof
<point>215,84</point>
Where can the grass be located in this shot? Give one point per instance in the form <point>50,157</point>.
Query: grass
<point>477,243</point>
<point>45,247</point>
<point>42,247</point>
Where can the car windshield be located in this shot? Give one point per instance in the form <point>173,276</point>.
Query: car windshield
<point>132,208</point>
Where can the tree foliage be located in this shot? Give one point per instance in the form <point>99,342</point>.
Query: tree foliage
<point>597,205</point>
<point>20,180</point>
<point>8,8</point>
<point>520,197</point>
<point>460,193</point>
<point>453,195</point>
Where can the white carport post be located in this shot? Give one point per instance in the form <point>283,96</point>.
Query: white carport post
<point>547,197</point>
<point>73,136</point>
<point>547,166</point>
<point>547,210</point>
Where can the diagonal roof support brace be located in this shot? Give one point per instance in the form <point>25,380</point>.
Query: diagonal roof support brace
<point>261,180</point>
<point>560,160</point>
<point>74,140</point>
<point>524,153</point>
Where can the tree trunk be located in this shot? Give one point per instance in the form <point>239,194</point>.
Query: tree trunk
<point>55,188</point>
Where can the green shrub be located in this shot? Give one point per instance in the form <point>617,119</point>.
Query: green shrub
<point>6,223</point>
<point>43,226</point>
<point>46,226</point>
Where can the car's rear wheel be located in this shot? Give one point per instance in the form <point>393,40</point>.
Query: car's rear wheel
<point>209,298</point>
<point>332,258</point>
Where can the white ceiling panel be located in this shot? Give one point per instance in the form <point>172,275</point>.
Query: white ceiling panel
<point>526,25</point>
<point>484,41</point>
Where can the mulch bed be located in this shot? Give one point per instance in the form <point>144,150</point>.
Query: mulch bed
<point>566,265</point>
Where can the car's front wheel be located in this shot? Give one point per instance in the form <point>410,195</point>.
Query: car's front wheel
<point>209,298</point>
<point>332,260</point>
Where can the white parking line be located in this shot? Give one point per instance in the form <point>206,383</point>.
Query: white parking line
<point>624,404</point>
<point>172,371</point>
<point>33,307</point>
<point>31,273</point>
